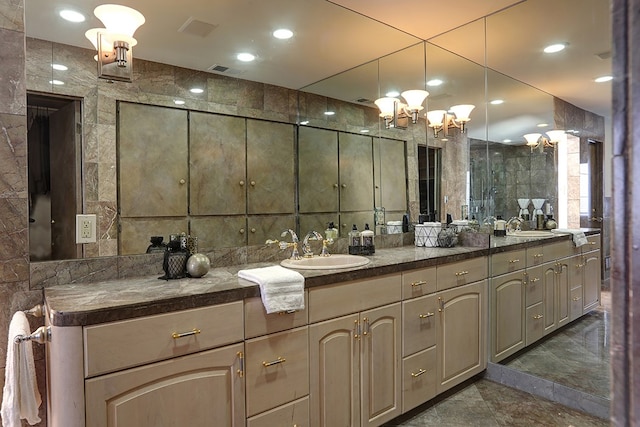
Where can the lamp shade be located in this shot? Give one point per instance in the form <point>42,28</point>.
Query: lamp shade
<point>436,117</point>
<point>532,138</point>
<point>386,105</point>
<point>119,19</point>
<point>556,135</point>
<point>92,35</point>
<point>462,112</point>
<point>415,98</point>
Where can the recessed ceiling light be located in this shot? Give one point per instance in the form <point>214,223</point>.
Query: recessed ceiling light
<point>364,131</point>
<point>543,125</point>
<point>497,102</point>
<point>553,48</point>
<point>603,79</point>
<point>434,82</point>
<point>196,90</point>
<point>283,34</point>
<point>56,82</point>
<point>444,139</point>
<point>178,101</point>
<point>506,141</point>
<point>329,113</point>
<point>59,67</point>
<point>71,15</point>
<point>392,94</point>
<point>246,57</point>
<point>304,122</point>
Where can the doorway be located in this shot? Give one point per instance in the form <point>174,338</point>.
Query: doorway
<point>429,176</point>
<point>54,141</point>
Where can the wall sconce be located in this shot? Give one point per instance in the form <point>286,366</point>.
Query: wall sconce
<point>396,114</point>
<point>441,119</point>
<point>114,42</point>
<point>535,140</point>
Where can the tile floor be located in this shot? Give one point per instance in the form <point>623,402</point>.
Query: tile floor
<point>576,356</point>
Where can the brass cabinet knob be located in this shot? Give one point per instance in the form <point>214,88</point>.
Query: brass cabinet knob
<point>253,230</point>
<point>344,185</point>
<point>182,182</point>
<point>242,231</point>
<point>253,183</point>
<point>241,183</point>
<point>335,185</point>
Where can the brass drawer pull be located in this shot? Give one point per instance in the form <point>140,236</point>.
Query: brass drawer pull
<point>420,283</point>
<point>356,330</point>
<point>535,279</point>
<point>282,313</point>
<point>241,359</point>
<point>593,243</point>
<point>538,316</point>
<point>424,316</point>
<point>513,261</point>
<point>417,374</point>
<point>579,265</point>
<point>576,298</point>
<point>462,273</point>
<point>538,255</point>
<point>177,335</point>
<point>274,362</point>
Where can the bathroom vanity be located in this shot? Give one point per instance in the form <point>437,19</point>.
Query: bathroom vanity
<point>372,342</point>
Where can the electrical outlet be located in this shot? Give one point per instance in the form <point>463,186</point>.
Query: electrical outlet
<point>86,228</point>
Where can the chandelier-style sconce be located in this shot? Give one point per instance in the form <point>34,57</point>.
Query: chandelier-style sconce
<point>441,120</point>
<point>114,42</point>
<point>535,140</point>
<point>396,114</point>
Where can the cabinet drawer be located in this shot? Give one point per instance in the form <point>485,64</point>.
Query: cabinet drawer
<point>533,286</point>
<point>419,324</point>
<point>534,323</point>
<point>593,243</point>
<point>507,262</point>
<point>327,302</point>
<point>277,369</point>
<point>576,302</point>
<point>536,256</point>
<point>461,273</point>
<point>292,414</point>
<point>257,322</point>
<point>416,283</point>
<point>418,378</point>
<point>113,346</point>
<point>559,250</point>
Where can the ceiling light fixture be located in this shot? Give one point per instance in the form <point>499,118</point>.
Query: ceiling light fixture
<point>196,90</point>
<point>442,120</point>
<point>283,34</point>
<point>71,15</point>
<point>114,42</point>
<point>603,79</point>
<point>56,82</point>
<point>395,112</point>
<point>178,102</point>
<point>497,102</point>
<point>59,67</point>
<point>434,82</point>
<point>535,140</point>
<point>246,57</point>
<point>329,113</point>
<point>556,47</point>
<point>392,94</point>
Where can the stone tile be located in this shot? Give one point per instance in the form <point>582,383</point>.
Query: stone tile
<point>12,78</point>
<point>14,255</point>
<point>52,273</point>
<point>12,15</point>
<point>13,155</point>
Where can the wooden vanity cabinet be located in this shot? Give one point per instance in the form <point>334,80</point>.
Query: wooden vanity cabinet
<point>355,352</point>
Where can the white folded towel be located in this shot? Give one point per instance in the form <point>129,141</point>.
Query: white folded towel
<point>20,396</point>
<point>578,236</point>
<point>281,289</point>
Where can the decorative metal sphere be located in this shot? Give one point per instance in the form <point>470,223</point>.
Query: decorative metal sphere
<point>198,265</point>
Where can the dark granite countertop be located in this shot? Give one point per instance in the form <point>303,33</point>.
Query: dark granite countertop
<point>94,303</point>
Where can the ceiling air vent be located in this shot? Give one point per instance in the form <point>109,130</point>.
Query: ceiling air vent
<point>364,101</point>
<point>197,28</point>
<point>217,68</point>
<point>604,55</point>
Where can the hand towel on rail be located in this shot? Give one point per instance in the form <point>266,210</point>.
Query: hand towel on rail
<point>281,289</point>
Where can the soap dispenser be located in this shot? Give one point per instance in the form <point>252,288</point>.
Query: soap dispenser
<point>355,244</point>
<point>368,246</point>
<point>331,233</point>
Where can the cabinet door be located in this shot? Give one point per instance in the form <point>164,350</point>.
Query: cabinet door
<point>334,382</point>
<point>261,228</point>
<point>381,360</point>
<point>549,284</point>
<point>217,160</point>
<point>204,388</point>
<point>152,182</point>
<point>462,334</point>
<point>563,288</point>
<point>591,282</point>
<point>390,174</point>
<point>270,167</point>
<point>419,324</point>
<point>317,170</point>
<point>507,315</point>
<point>356,172</point>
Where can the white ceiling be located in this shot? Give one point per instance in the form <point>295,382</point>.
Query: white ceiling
<point>332,37</point>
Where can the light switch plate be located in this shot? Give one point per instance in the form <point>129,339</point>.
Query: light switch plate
<point>86,228</point>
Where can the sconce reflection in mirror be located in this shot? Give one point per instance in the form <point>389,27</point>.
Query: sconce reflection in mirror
<point>442,120</point>
<point>396,114</point>
<point>536,140</point>
<point>114,42</point>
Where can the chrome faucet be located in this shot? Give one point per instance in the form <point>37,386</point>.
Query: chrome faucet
<point>306,247</point>
<point>284,245</point>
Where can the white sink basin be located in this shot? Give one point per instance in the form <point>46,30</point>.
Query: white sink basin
<point>326,263</point>
<point>531,233</point>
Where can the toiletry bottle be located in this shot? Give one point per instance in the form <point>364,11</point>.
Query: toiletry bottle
<point>368,247</point>
<point>355,244</point>
<point>331,233</point>
<point>500,227</point>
